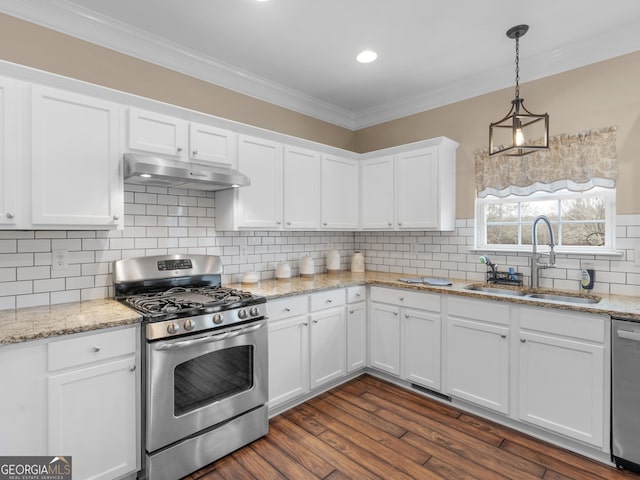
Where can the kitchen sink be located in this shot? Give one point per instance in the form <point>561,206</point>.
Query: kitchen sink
<point>496,290</point>
<point>563,298</point>
<point>554,297</point>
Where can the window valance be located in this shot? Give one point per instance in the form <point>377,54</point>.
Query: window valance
<point>576,161</point>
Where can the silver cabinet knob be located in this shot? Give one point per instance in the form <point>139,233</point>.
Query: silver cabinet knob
<point>305,323</point>
<point>503,336</point>
<point>315,321</point>
<point>287,309</point>
<point>401,299</point>
<point>399,224</point>
<point>324,223</point>
<point>523,340</point>
<point>195,152</point>
<point>116,217</point>
<point>389,224</point>
<point>395,314</point>
<point>289,223</point>
<point>406,315</point>
<point>95,349</point>
<point>278,222</point>
<point>358,294</point>
<point>351,312</point>
<point>10,215</point>
<point>179,149</point>
<point>329,300</point>
<point>132,368</point>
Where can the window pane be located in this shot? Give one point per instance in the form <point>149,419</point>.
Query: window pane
<point>502,234</point>
<point>583,209</point>
<point>587,234</point>
<point>542,234</point>
<point>531,210</point>
<point>501,212</point>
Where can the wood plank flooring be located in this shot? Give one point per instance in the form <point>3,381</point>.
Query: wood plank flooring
<point>370,429</point>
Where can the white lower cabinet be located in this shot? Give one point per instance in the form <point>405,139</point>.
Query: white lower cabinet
<point>288,358</point>
<point>405,335</point>
<point>77,396</point>
<point>356,328</point>
<point>421,340</point>
<point>562,373</point>
<point>478,352</point>
<point>307,343</point>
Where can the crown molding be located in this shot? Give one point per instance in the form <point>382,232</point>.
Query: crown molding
<point>84,24</point>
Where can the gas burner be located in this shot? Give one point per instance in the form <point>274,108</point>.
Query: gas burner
<point>183,299</point>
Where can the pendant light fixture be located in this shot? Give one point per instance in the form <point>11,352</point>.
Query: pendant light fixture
<point>520,132</point>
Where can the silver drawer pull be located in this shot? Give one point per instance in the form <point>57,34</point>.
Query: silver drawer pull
<point>287,309</point>
<point>329,300</point>
<point>351,311</point>
<point>132,368</point>
<point>95,349</point>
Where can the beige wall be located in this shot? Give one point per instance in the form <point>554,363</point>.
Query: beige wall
<point>603,94</point>
<point>598,95</point>
<point>28,44</point>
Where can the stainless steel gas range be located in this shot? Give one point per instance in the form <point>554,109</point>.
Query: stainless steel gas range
<point>205,384</point>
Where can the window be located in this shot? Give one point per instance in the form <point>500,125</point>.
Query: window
<point>582,221</point>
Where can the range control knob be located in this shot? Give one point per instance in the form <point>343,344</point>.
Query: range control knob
<point>217,318</point>
<point>242,314</point>
<point>254,311</point>
<point>189,324</point>
<point>173,328</point>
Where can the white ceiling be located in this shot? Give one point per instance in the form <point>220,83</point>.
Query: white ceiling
<point>301,53</point>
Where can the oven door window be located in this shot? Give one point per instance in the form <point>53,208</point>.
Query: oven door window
<point>212,377</point>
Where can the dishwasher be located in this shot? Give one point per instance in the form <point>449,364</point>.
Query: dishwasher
<point>625,394</point>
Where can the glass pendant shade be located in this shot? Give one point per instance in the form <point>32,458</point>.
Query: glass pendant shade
<point>520,132</point>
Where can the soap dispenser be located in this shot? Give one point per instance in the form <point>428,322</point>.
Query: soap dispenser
<point>588,278</point>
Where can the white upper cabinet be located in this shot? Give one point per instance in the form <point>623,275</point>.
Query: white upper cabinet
<point>377,188</point>
<point>301,188</point>
<point>156,133</point>
<point>340,193</point>
<point>212,144</point>
<point>258,205</point>
<point>9,175</point>
<point>75,179</point>
<point>411,190</point>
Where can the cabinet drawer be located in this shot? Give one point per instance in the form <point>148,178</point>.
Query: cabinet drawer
<point>91,348</point>
<point>568,324</point>
<point>330,298</point>
<point>406,298</point>
<point>288,307</point>
<point>485,310</point>
<point>356,294</point>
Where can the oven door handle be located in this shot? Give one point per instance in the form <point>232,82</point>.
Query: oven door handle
<point>209,339</point>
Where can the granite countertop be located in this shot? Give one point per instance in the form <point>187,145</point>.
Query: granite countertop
<point>614,305</point>
<point>26,324</point>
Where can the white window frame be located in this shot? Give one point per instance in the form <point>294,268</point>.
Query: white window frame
<point>609,194</point>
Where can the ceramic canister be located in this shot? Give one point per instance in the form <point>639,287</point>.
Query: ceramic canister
<point>306,267</point>
<point>357,263</point>
<point>283,271</point>
<point>333,261</point>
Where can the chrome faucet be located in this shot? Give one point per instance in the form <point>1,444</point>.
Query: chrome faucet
<point>535,264</point>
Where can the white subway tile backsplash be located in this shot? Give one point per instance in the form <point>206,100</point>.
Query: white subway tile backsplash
<point>37,300</point>
<point>41,245</point>
<point>8,246</point>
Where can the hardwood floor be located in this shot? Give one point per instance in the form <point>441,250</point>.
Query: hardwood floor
<point>370,429</point>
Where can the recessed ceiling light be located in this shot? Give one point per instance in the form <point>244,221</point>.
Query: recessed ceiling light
<point>366,56</point>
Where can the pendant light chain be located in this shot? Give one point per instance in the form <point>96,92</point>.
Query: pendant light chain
<point>517,67</point>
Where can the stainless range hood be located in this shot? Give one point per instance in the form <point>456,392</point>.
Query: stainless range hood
<point>161,172</point>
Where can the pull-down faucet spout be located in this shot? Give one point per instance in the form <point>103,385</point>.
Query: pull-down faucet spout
<point>536,266</point>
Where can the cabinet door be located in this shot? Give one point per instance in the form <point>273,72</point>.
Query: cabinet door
<point>156,133</point>
<point>478,363</point>
<point>92,417</point>
<point>384,338</point>
<point>356,336</point>
<point>562,386</point>
<point>416,189</point>
<point>421,348</point>
<point>327,346</point>
<point>74,147</point>
<point>288,359</point>
<point>9,172</point>
<point>376,193</point>
<point>340,193</point>
<point>301,188</point>
<point>260,204</point>
<point>212,144</point>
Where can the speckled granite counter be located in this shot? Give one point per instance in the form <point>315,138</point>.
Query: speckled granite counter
<point>26,324</point>
<point>614,305</point>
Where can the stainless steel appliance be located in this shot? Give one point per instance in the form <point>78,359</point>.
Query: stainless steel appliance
<point>205,353</point>
<point>625,394</point>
